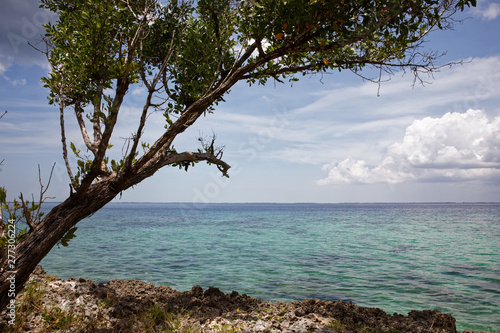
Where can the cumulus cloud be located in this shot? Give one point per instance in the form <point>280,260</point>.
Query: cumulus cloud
<point>454,148</point>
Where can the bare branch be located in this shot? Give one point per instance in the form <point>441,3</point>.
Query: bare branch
<point>63,140</point>
<point>208,145</point>
<point>42,197</point>
<point>83,129</point>
<point>27,214</point>
<point>42,191</point>
<point>97,110</point>
<point>138,135</point>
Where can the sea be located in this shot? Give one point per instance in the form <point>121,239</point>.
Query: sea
<point>395,256</point>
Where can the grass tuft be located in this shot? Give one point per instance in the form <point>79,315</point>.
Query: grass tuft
<point>158,319</point>
<point>29,300</point>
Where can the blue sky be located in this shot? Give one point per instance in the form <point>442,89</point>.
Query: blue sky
<point>327,138</point>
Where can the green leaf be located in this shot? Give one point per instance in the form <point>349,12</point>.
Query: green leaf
<point>3,195</point>
<point>68,236</point>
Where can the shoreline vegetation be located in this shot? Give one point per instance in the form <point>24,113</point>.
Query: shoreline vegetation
<point>49,304</point>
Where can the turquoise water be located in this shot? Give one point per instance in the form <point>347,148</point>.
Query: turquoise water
<point>397,257</point>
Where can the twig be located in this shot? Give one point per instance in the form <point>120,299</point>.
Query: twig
<point>27,214</point>
<point>42,199</point>
<point>40,179</point>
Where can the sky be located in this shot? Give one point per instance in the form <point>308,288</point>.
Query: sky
<point>328,138</point>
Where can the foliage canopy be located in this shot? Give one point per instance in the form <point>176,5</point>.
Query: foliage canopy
<point>193,51</point>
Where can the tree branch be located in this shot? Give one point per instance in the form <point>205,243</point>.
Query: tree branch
<point>83,129</point>
<point>248,53</point>
<point>274,74</point>
<point>138,134</point>
<point>63,141</point>
<point>27,214</point>
<point>97,110</point>
<point>197,157</point>
<point>161,75</point>
<point>122,85</point>
<point>219,49</point>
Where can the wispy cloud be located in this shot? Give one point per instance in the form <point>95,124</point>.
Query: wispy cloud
<point>459,87</point>
<point>454,148</point>
<point>22,25</point>
<point>4,64</point>
<point>487,10</point>
<point>352,121</point>
<point>13,82</point>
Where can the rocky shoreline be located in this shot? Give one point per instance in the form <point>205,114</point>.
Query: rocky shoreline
<point>49,304</point>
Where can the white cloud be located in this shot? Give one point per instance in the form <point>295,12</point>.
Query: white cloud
<point>458,88</point>
<point>20,82</point>
<point>138,91</point>
<point>4,64</point>
<point>21,25</point>
<point>334,122</point>
<point>454,148</point>
<point>487,11</point>
<point>15,82</point>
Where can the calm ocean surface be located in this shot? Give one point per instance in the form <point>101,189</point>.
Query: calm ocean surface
<point>398,257</point>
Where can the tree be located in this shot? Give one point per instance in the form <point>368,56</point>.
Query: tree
<point>188,54</point>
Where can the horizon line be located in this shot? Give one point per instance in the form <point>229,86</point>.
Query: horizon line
<point>297,202</point>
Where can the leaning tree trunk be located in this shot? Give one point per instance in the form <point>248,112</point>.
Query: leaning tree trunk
<point>88,200</point>
<point>39,241</point>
